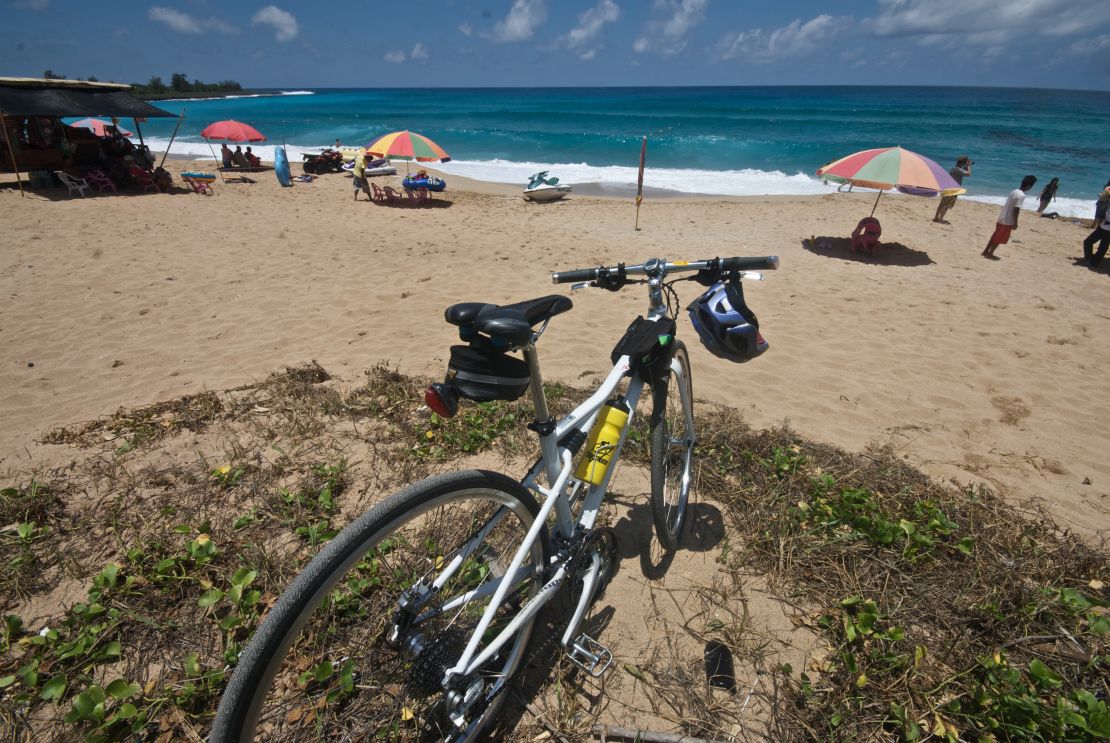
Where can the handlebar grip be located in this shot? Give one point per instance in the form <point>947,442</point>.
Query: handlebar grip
<point>580,274</point>
<point>764,263</point>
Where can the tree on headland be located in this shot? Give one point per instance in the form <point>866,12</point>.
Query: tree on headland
<point>51,75</point>
<point>180,82</point>
<point>155,85</point>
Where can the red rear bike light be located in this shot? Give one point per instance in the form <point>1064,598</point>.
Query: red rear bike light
<point>441,399</point>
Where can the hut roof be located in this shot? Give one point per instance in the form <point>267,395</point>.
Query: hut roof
<point>24,96</point>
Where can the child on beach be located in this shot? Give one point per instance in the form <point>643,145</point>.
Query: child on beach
<point>1008,217</point>
<point>1048,194</point>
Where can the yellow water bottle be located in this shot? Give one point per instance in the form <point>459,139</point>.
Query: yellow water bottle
<point>603,440</point>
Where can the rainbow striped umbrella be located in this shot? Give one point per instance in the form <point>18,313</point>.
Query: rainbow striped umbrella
<point>407,145</point>
<point>891,167</point>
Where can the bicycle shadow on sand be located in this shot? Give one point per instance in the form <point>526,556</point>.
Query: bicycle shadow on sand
<point>888,254</point>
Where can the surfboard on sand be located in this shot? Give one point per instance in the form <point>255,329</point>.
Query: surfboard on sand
<point>281,166</point>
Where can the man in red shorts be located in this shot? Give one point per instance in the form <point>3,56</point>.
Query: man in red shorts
<point>1008,217</point>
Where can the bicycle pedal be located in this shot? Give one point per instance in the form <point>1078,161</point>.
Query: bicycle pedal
<point>590,655</point>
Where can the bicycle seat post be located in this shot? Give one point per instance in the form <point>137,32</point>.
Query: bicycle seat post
<point>543,424</point>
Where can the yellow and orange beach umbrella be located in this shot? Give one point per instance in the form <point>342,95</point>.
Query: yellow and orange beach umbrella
<point>406,145</point>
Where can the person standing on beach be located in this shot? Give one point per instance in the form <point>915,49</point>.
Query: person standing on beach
<point>1048,194</point>
<point>1101,205</point>
<point>1008,217</point>
<point>958,173</point>
<point>361,182</point>
<point>1101,235</point>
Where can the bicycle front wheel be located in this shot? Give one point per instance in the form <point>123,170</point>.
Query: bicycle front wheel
<point>358,645</point>
<point>672,449</point>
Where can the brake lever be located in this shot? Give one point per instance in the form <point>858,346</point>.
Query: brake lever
<point>751,275</point>
<point>581,285</point>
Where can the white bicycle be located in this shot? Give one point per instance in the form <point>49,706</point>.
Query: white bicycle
<point>412,622</point>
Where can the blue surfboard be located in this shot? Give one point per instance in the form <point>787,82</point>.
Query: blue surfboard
<point>281,166</point>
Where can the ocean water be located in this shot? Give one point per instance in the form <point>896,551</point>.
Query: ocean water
<point>715,140</point>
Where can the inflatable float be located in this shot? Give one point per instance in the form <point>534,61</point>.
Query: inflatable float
<point>423,180</point>
<point>281,167</point>
<point>203,177</point>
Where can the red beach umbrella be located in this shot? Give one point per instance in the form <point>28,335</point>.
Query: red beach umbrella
<point>97,127</point>
<point>233,131</point>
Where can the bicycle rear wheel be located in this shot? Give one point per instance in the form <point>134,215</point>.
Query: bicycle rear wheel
<point>672,449</point>
<point>357,646</point>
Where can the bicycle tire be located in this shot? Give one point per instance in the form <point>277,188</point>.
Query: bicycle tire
<point>316,605</point>
<point>671,454</point>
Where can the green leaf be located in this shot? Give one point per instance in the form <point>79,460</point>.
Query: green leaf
<point>210,597</point>
<point>192,667</point>
<point>55,688</point>
<point>183,529</point>
<point>6,681</point>
<point>120,689</point>
<point>1045,675</point>
<point>111,650</point>
<point>125,712</point>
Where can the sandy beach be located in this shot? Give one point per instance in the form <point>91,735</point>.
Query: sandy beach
<point>975,370</point>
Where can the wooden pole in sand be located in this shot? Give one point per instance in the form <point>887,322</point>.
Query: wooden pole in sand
<point>167,152</point>
<point>640,182</point>
<point>11,153</point>
<point>876,205</point>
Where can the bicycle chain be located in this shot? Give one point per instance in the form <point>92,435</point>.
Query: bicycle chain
<point>564,602</point>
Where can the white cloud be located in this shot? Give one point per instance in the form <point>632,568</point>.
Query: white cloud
<point>398,57</point>
<point>284,24</point>
<point>793,40</point>
<point>669,36</point>
<point>187,24</point>
<point>1010,19</point>
<point>581,38</point>
<point>523,18</point>
<point>465,29</point>
<point>1091,45</point>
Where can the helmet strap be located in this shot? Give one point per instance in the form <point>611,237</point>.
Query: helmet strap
<point>734,290</point>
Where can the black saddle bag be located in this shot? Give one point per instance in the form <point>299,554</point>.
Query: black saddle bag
<point>481,373</point>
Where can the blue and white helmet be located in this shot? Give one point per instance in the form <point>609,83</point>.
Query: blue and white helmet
<point>727,326</point>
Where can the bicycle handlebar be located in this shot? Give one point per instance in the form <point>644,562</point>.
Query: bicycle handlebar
<point>655,266</point>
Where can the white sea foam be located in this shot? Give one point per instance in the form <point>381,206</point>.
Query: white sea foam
<point>244,95</point>
<point>1062,206</point>
<point>747,182</point>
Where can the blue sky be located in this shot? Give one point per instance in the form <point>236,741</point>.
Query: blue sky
<point>368,43</point>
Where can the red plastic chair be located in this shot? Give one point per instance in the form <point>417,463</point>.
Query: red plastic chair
<point>865,237</point>
<point>145,179</point>
<point>379,195</point>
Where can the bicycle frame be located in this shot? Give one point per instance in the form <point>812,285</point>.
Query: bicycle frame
<point>556,464</point>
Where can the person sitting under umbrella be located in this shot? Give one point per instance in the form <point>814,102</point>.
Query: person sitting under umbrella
<point>238,159</point>
<point>225,153</point>
<point>252,158</point>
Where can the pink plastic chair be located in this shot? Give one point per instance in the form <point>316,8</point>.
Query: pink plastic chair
<point>100,180</point>
<point>865,237</point>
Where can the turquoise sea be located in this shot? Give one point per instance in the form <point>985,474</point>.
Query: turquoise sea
<point>718,140</point>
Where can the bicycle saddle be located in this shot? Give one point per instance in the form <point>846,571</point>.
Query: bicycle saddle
<point>510,322</point>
